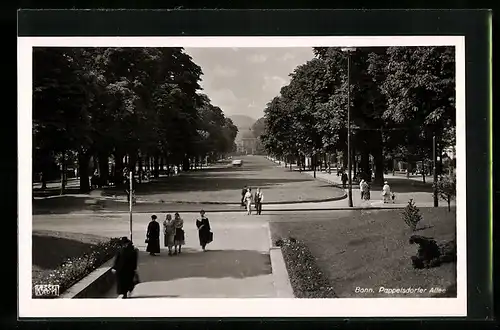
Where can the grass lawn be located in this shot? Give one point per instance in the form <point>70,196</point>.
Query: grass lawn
<point>52,248</point>
<point>370,249</point>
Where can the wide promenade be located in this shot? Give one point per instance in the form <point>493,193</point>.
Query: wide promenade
<point>238,262</point>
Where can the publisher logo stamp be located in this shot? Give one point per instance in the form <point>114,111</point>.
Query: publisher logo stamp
<point>46,290</point>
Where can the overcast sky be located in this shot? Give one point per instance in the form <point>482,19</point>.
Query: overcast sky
<point>243,80</point>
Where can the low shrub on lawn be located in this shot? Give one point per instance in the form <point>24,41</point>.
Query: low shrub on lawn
<point>75,269</point>
<point>306,278</point>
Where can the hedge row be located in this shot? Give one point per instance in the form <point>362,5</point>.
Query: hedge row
<point>306,278</point>
<point>75,269</point>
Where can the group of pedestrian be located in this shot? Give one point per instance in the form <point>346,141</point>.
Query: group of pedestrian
<point>174,235</point>
<point>247,198</point>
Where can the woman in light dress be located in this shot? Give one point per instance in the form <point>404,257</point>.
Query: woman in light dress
<point>365,190</point>
<point>179,233</point>
<point>248,201</point>
<point>386,192</point>
<point>169,233</point>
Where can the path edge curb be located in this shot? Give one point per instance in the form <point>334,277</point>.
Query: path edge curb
<point>281,279</point>
<point>94,284</point>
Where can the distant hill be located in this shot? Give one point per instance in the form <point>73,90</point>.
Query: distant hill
<point>244,124</point>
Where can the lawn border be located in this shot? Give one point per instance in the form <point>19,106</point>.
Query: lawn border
<point>93,285</point>
<point>93,275</point>
<point>310,271</point>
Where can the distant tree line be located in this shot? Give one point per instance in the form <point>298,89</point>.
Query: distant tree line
<point>137,108</point>
<point>400,98</point>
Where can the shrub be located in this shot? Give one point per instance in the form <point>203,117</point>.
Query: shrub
<point>411,215</point>
<point>306,277</point>
<point>75,269</point>
<point>447,188</point>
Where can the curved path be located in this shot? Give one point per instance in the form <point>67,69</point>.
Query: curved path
<point>223,185</point>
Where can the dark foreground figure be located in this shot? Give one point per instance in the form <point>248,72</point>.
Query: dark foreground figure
<point>153,236</point>
<point>125,268</point>
<point>204,233</point>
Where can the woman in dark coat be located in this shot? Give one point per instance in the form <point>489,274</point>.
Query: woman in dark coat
<point>204,233</point>
<point>153,236</point>
<point>125,267</point>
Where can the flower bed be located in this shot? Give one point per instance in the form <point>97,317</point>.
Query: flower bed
<point>306,278</point>
<point>75,269</point>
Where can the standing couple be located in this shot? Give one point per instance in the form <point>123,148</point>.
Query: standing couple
<point>247,198</point>
<point>174,236</point>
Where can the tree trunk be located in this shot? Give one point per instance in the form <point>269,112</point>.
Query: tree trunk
<point>132,162</point>
<point>83,169</point>
<point>378,160</point>
<point>63,169</point>
<point>103,160</point>
<point>118,175</point>
<point>344,158</point>
<point>408,169</point>
<point>156,166</point>
<point>95,165</point>
<point>364,166</point>
<point>313,163</point>
<point>140,169</point>
<point>449,204</point>
<point>423,170</point>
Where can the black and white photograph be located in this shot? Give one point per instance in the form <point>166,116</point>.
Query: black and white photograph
<point>282,168</point>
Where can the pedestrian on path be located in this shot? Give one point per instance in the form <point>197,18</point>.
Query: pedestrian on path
<point>179,239</point>
<point>344,179</point>
<point>259,198</point>
<point>204,233</point>
<point>248,201</point>
<point>363,188</point>
<point>125,268</point>
<point>243,193</point>
<point>386,192</point>
<point>168,233</point>
<point>153,236</point>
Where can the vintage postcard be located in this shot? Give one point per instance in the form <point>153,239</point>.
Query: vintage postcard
<point>226,176</point>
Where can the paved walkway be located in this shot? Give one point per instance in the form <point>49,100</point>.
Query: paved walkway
<point>403,187</point>
<point>236,265</point>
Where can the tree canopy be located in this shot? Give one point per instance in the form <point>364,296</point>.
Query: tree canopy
<point>140,104</point>
<point>400,97</point>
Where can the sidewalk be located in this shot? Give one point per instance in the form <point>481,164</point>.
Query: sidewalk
<point>403,187</point>
<point>236,265</point>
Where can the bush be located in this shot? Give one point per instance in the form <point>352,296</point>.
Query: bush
<point>447,188</point>
<point>411,215</point>
<point>75,269</point>
<point>306,278</point>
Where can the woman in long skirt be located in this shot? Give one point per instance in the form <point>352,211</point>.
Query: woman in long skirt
<point>179,233</point>
<point>153,236</point>
<point>169,232</point>
<point>204,233</point>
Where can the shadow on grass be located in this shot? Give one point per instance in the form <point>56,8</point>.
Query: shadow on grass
<point>49,252</point>
<point>423,227</point>
<point>210,264</point>
<point>202,183</point>
<point>49,192</point>
<point>65,204</point>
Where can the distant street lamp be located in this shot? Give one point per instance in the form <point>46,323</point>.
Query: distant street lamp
<point>349,51</point>
<point>435,159</point>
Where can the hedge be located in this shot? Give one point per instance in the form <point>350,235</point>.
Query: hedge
<point>75,269</point>
<point>306,278</point>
